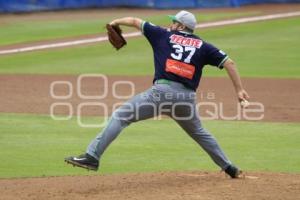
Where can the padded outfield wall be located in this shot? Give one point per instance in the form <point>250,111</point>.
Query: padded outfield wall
<point>40,5</point>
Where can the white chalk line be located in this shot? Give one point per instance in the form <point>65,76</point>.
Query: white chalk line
<point>134,34</point>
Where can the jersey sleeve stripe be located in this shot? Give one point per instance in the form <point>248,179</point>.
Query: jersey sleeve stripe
<point>142,26</point>
<point>222,62</point>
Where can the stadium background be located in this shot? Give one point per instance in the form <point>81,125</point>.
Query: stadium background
<point>152,159</point>
<point>40,5</point>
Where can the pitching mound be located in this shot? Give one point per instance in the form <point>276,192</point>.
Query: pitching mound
<point>182,185</point>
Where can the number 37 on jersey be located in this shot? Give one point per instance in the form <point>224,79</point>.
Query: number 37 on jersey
<point>184,50</point>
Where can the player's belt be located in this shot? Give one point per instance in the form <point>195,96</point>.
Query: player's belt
<point>174,83</point>
<point>163,81</point>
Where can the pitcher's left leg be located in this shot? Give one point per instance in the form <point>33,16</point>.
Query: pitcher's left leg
<point>138,108</point>
<point>141,107</point>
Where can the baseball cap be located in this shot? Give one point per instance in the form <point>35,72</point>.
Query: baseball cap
<point>186,18</point>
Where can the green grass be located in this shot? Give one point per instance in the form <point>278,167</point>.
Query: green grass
<point>262,49</point>
<point>18,31</point>
<point>36,145</point>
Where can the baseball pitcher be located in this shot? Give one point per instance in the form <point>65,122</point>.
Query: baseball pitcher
<point>179,57</point>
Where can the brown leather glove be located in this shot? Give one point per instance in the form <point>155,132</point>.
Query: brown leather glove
<point>115,36</point>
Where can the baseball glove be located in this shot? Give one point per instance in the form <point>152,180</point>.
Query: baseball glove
<point>115,36</point>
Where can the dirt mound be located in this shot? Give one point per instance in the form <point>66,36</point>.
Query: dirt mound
<point>169,185</point>
<point>31,94</point>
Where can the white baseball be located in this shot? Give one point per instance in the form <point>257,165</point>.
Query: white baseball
<point>245,103</point>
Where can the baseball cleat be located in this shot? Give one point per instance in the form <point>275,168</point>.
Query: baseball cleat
<point>84,161</point>
<point>234,172</point>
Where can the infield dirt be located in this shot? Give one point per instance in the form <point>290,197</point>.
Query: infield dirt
<point>31,94</point>
<point>155,186</point>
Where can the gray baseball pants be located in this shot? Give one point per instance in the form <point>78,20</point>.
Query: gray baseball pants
<point>172,99</point>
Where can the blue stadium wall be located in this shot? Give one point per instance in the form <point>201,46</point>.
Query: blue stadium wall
<point>40,5</point>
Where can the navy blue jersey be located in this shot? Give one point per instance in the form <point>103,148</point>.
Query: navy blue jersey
<point>180,56</point>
